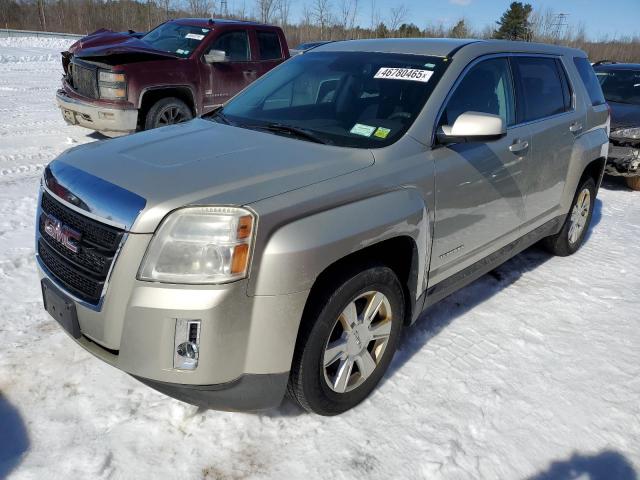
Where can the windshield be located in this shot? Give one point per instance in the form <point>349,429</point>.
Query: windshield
<point>351,99</point>
<point>622,86</point>
<point>172,37</point>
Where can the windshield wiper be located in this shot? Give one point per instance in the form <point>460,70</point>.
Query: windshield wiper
<point>291,130</point>
<point>216,114</point>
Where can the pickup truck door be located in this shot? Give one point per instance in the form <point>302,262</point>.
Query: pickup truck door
<point>545,104</point>
<point>270,50</point>
<point>224,79</point>
<point>479,187</point>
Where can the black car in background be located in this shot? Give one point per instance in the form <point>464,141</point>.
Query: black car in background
<point>620,84</point>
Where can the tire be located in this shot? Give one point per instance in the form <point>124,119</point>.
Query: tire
<point>318,387</point>
<point>633,182</point>
<point>167,111</point>
<point>568,241</point>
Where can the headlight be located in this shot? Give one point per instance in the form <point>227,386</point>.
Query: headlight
<point>629,133</point>
<point>200,245</point>
<point>110,77</point>
<point>112,85</point>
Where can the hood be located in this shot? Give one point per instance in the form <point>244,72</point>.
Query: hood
<point>194,163</point>
<point>624,115</point>
<point>100,37</point>
<point>128,46</point>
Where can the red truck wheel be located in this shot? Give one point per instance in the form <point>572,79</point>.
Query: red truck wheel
<point>167,111</point>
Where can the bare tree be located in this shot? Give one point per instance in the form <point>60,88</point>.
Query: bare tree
<point>266,10</point>
<point>348,10</point>
<point>322,15</point>
<point>397,15</point>
<point>283,9</point>
<point>201,8</point>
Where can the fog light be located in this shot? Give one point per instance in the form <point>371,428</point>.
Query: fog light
<point>186,344</point>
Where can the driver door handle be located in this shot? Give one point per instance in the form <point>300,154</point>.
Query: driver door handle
<point>575,127</point>
<point>518,146</point>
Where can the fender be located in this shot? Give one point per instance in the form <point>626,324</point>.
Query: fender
<point>588,147</point>
<point>297,253</point>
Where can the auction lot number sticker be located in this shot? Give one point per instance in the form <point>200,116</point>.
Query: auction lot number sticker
<point>412,74</point>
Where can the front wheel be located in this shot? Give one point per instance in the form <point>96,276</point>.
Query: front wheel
<point>347,340</point>
<point>167,111</point>
<point>570,238</point>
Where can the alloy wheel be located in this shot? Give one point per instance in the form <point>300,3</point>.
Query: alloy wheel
<point>357,342</point>
<point>579,215</point>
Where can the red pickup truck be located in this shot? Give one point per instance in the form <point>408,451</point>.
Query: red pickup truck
<point>117,83</point>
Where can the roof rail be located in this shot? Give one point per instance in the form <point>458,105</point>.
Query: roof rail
<point>604,62</point>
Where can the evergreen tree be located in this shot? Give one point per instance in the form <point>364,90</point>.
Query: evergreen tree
<point>408,30</point>
<point>460,30</point>
<point>514,23</point>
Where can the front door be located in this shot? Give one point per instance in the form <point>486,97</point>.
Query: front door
<point>480,186</point>
<point>226,78</point>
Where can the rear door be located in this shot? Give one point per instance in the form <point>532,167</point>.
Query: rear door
<point>546,104</point>
<point>224,79</point>
<point>270,50</point>
<point>479,185</point>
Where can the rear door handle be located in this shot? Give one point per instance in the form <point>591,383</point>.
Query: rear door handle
<point>518,146</point>
<point>575,127</point>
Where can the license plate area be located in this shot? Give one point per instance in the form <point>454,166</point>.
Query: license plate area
<point>60,307</point>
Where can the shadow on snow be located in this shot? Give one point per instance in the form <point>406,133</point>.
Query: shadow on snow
<point>606,465</point>
<point>14,441</point>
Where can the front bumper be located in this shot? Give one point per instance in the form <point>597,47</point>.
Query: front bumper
<point>105,119</point>
<point>623,161</point>
<point>246,343</point>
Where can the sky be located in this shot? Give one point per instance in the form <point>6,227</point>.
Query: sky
<point>612,18</point>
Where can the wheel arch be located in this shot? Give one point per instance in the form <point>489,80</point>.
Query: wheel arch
<point>392,229</point>
<point>151,95</point>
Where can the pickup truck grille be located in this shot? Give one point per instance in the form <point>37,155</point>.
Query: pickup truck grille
<point>84,80</point>
<point>83,273</point>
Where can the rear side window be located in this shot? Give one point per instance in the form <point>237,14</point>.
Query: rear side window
<point>541,92</point>
<point>269,45</point>
<point>486,88</point>
<point>590,80</point>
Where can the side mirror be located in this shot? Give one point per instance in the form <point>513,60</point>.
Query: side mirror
<point>473,127</point>
<point>215,56</point>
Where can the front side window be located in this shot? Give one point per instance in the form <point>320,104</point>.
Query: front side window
<point>175,38</point>
<point>354,99</point>
<point>486,88</point>
<point>540,88</point>
<point>269,45</point>
<point>235,45</point>
<point>621,86</point>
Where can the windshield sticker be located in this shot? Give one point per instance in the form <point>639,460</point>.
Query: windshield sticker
<point>364,130</point>
<point>412,74</point>
<point>382,132</point>
<point>194,36</point>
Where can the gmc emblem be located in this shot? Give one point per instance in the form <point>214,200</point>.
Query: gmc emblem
<point>61,233</point>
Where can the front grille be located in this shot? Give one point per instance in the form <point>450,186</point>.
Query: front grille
<point>84,272</point>
<point>84,80</point>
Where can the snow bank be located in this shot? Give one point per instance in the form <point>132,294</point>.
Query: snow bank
<point>32,49</point>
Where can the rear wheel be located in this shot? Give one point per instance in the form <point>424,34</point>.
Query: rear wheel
<point>167,111</point>
<point>576,225</point>
<point>633,182</point>
<point>347,341</point>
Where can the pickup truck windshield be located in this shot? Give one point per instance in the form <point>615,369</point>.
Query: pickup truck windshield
<point>621,86</point>
<point>351,99</point>
<point>171,37</point>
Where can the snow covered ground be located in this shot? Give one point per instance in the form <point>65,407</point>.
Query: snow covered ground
<point>532,371</point>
